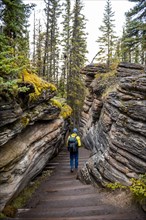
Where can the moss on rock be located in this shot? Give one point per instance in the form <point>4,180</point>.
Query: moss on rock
<point>38,83</point>
<point>66,111</point>
<point>56,103</point>
<point>25,121</point>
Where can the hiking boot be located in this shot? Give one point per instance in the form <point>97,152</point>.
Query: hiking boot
<point>71,170</point>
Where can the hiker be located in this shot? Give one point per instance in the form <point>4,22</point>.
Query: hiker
<point>73,143</point>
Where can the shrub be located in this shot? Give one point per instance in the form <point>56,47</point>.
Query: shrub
<point>138,188</point>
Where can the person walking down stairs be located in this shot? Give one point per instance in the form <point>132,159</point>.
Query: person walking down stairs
<point>73,144</point>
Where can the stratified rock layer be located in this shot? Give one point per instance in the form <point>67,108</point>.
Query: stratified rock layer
<point>31,133</point>
<point>113,124</point>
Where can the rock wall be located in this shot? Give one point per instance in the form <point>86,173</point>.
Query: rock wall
<point>31,133</point>
<point>113,124</point>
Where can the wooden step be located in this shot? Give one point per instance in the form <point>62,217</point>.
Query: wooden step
<point>63,197</point>
<point>101,217</point>
<point>128,216</point>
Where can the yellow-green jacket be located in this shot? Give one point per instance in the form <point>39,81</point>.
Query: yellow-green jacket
<point>77,138</point>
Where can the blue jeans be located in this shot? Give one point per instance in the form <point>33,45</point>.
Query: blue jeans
<point>74,157</point>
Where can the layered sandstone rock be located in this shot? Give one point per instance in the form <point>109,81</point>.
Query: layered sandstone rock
<point>31,133</point>
<point>113,125</point>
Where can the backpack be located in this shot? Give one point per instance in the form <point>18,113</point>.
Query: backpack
<point>72,144</point>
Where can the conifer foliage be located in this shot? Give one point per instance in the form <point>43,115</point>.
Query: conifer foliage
<point>14,40</point>
<point>14,18</point>
<point>135,32</point>
<point>14,44</point>
<point>51,52</point>
<point>73,57</point>
<point>66,48</point>
<point>108,39</point>
<point>75,91</point>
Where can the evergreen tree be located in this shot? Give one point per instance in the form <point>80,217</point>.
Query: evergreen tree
<point>75,92</point>
<point>138,12</point>
<point>136,31</point>
<point>14,16</point>
<point>131,45</point>
<point>39,49</point>
<point>47,40</point>
<point>34,41</point>
<point>51,54</point>
<point>14,39</point>
<point>124,48</point>
<point>108,39</point>
<point>14,43</point>
<point>66,44</point>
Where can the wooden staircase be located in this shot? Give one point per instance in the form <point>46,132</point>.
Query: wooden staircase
<point>63,197</point>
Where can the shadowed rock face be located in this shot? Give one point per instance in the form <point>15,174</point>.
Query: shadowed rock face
<point>113,125</point>
<point>31,133</point>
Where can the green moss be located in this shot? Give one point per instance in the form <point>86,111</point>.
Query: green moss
<point>38,83</point>
<point>25,121</point>
<point>2,215</point>
<point>9,211</point>
<point>105,76</point>
<point>137,188</point>
<point>56,103</point>
<point>66,111</point>
<point>107,81</point>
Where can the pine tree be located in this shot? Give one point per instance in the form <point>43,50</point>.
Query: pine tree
<point>124,48</point>
<point>107,40</point>
<point>138,12</point>
<point>14,40</point>
<point>137,30</point>
<point>34,41</point>
<point>127,42</point>
<point>51,54</point>
<point>66,44</point>
<point>75,93</point>
<point>39,49</point>
<point>14,16</point>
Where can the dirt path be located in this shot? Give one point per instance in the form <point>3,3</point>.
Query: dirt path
<point>63,197</point>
